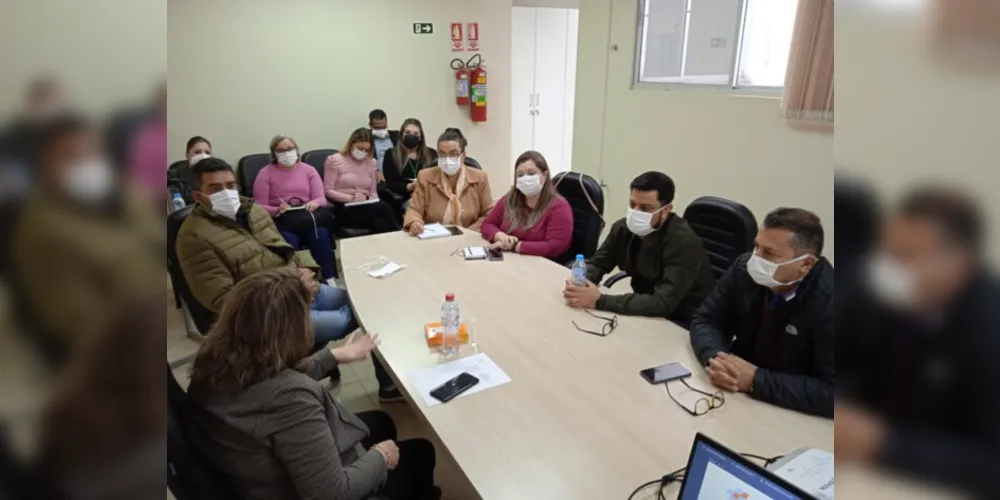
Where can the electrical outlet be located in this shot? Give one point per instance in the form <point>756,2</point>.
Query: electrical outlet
<point>719,42</point>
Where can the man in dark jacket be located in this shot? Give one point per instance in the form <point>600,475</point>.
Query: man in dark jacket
<point>917,349</point>
<point>767,328</point>
<point>670,271</point>
<point>385,139</point>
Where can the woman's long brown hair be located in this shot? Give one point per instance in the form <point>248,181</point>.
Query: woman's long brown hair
<point>423,152</point>
<point>516,208</point>
<point>264,327</point>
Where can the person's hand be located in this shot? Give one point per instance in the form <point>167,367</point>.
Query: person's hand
<point>308,277</point>
<point>581,297</point>
<point>740,369</point>
<point>312,206</point>
<point>380,177</point>
<point>359,196</point>
<point>720,376</point>
<point>411,186</point>
<point>860,434</point>
<point>357,347</point>
<point>506,241</point>
<point>517,247</point>
<point>283,207</point>
<point>390,451</point>
<point>416,228</point>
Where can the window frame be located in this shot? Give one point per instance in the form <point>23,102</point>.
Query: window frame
<point>731,88</point>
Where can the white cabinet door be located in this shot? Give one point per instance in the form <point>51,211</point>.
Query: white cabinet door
<point>573,23</point>
<point>522,50</point>
<point>551,32</point>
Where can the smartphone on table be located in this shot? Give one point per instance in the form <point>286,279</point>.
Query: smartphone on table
<point>452,388</point>
<point>454,230</point>
<point>494,253</point>
<point>665,373</point>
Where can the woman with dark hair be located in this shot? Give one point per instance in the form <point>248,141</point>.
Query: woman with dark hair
<point>272,429</point>
<point>198,148</point>
<point>291,192</point>
<point>450,193</point>
<point>403,162</point>
<point>351,183</point>
<point>532,219</point>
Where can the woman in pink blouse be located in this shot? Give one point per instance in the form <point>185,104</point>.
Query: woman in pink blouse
<point>292,192</point>
<point>532,219</point>
<point>350,182</point>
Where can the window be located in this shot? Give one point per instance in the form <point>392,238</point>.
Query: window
<point>735,43</point>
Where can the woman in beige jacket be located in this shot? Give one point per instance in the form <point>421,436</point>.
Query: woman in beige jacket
<point>450,193</point>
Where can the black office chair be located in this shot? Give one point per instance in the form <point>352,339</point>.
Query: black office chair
<point>317,158</point>
<point>248,168</point>
<point>179,180</point>
<point>120,130</point>
<point>202,317</point>
<point>727,230</point>
<point>858,210</point>
<point>586,198</point>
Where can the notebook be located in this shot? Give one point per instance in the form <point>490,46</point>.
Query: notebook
<point>432,231</point>
<point>474,253</point>
<point>365,202</point>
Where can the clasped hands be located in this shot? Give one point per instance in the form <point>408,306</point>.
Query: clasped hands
<point>505,242</point>
<point>731,372</point>
<point>581,296</point>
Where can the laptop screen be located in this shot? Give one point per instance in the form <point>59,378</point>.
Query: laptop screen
<point>712,474</point>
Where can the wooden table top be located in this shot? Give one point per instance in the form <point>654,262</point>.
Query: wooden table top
<point>577,421</point>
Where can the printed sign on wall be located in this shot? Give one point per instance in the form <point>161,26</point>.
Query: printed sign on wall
<point>473,37</point>
<point>457,40</point>
<point>423,29</point>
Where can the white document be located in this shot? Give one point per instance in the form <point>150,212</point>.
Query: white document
<point>365,202</point>
<point>432,231</point>
<point>385,270</point>
<point>812,471</point>
<point>474,253</point>
<point>479,365</point>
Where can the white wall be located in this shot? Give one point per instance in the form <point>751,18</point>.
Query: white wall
<point>710,143</point>
<point>241,72</point>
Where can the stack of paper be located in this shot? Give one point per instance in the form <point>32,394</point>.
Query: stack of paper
<point>432,231</point>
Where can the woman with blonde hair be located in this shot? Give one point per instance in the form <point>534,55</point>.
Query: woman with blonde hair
<point>532,219</point>
<point>272,429</point>
<point>351,182</point>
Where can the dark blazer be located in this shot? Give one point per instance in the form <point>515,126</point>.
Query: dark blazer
<point>393,136</point>
<point>730,319</point>
<point>395,180</point>
<point>287,437</point>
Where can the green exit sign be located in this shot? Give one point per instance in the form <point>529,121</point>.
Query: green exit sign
<point>423,28</point>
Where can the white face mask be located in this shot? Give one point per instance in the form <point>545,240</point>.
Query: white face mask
<point>198,157</point>
<point>288,158</point>
<point>639,222</point>
<point>359,154</point>
<point>529,185</point>
<point>381,133</point>
<point>892,282</point>
<point>450,166</point>
<point>226,203</point>
<point>762,270</point>
<point>90,180</point>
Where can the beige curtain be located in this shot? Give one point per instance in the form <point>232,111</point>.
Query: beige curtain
<point>808,94</point>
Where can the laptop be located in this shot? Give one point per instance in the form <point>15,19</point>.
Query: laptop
<point>715,472</point>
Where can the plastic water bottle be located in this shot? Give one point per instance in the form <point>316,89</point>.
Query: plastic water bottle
<point>578,273</point>
<point>451,321</point>
<point>177,203</point>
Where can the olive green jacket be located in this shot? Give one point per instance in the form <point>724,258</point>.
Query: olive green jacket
<point>670,270</point>
<point>216,252</point>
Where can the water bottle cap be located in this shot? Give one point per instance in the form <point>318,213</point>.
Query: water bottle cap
<point>579,256</point>
<point>449,297</point>
<point>177,195</point>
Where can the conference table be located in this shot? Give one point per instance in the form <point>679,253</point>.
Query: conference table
<point>576,421</point>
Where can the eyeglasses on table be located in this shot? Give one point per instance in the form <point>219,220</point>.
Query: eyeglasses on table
<point>711,401</point>
<point>609,325</point>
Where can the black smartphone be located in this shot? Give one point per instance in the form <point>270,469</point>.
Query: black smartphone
<point>454,230</point>
<point>494,253</point>
<point>448,390</point>
<point>665,373</point>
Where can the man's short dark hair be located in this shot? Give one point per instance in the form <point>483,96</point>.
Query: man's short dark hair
<point>376,114</point>
<point>952,211</point>
<point>207,166</point>
<point>805,226</point>
<point>655,181</point>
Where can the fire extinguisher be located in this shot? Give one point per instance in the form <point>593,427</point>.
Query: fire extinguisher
<point>461,82</point>
<point>477,95</point>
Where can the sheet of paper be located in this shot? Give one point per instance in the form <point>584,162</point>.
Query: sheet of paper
<point>356,203</point>
<point>474,252</point>
<point>479,365</point>
<point>434,231</point>
<point>812,470</point>
<point>386,270</point>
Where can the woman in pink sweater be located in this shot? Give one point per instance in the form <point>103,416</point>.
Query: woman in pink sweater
<point>292,192</point>
<point>351,180</point>
<point>532,219</point>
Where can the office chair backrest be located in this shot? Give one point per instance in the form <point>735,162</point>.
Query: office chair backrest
<point>469,162</point>
<point>859,211</point>
<point>202,316</point>
<point>247,170</point>
<point>120,131</point>
<point>727,229</point>
<point>586,198</point>
<point>179,180</point>
<point>317,158</point>
<point>190,476</point>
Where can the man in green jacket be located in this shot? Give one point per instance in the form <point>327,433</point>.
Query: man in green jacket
<point>666,260</point>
